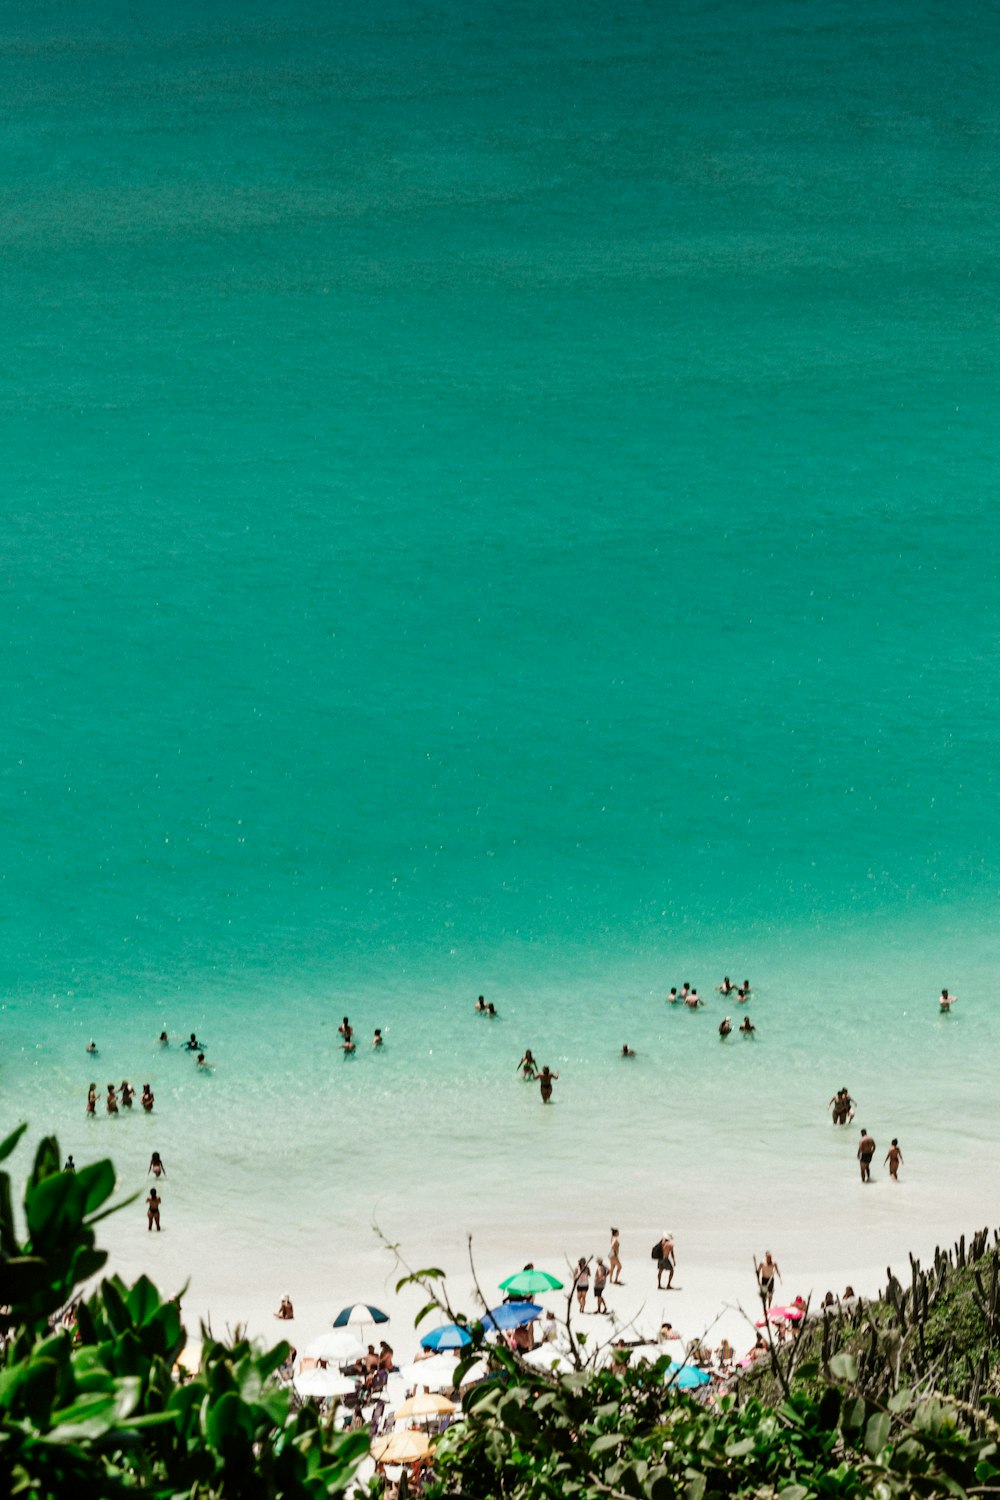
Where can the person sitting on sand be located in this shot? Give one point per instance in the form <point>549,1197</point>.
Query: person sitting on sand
<point>747,1028</point>
<point>667,1332</point>
<point>546,1078</point>
<point>285,1311</point>
<point>627,1050</point>
<point>947,1001</point>
<point>725,1354</point>
<point>385,1356</point>
<point>147,1098</point>
<point>725,1027</point>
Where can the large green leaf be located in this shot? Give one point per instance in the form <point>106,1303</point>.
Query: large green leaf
<point>10,1143</point>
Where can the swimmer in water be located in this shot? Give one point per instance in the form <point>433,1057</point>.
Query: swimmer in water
<point>346,1029</point>
<point>725,1027</point>
<point>491,1009</point>
<point>91,1046</point>
<point>685,990</point>
<point>147,1098</point>
<point>627,1050</point>
<point>112,1100</point>
<point>156,1166</point>
<point>92,1099</point>
<point>946,1002</point>
<point>164,1039</point>
<point>692,1000</point>
<point>192,1044</point>
<point>127,1093</point>
<point>747,1027</point>
<point>725,987</point>
<point>527,1065</point>
<point>153,1203</point>
<point>201,1060</point>
<point>377,1038</point>
<point>672,997</point>
<point>546,1078</point>
<point>347,1046</point>
<point>481,1005</point>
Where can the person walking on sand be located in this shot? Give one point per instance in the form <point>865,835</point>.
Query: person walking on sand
<point>527,1065</point>
<point>545,1080</point>
<point>153,1210</point>
<point>866,1150</point>
<point>600,1281</point>
<point>582,1282</point>
<point>767,1270</point>
<point>666,1261</point>
<point>614,1258</point>
<point>895,1159</point>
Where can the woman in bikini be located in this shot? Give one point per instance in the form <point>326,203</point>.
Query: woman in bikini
<point>153,1210</point>
<point>545,1080</point>
<point>527,1065</point>
<point>147,1098</point>
<point>156,1166</point>
<point>112,1100</point>
<point>92,1099</point>
<point>128,1094</point>
<point>614,1258</point>
<point>582,1282</point>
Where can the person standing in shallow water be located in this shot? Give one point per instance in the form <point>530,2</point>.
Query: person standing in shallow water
<point>895,1159</point>
<point>92,1099</point>
<point>866,1150</point>
<point>153,1210</point>
<point>112,1100</point>
<point>545,1080</point>
<point>527,1065</point>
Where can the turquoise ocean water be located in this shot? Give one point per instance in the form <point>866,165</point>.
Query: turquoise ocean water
<point>501,499</point>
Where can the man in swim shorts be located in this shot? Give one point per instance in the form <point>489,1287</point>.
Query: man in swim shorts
<point>767,1270</point>
<point>866,1150</point>
<point>666,1262</point>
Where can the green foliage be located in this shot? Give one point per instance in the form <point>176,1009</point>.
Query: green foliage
<point>102,1413</point>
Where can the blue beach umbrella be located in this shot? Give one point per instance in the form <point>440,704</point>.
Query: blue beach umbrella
<point>685,1377</point>
<point>359,1312</point>
<point>511,1315</point>
<point>449,1336</point>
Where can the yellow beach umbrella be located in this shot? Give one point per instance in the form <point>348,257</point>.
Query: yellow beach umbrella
<point>401,1447</point>
<point>425,1404</point>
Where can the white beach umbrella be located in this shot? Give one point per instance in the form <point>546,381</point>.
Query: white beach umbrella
<point>439,1373</point>
<point>339,1346</point>
<point>323,1383</point>
<point>547,1358</point>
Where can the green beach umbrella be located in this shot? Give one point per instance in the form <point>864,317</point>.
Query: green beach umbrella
<point>527,1283</point>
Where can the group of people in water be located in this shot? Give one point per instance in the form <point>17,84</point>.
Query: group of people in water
<point>124,1096</point>
<point>843,1107</point>
<point>349,1045</point>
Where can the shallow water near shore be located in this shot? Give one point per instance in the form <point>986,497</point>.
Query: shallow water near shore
<point>502,503</point>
